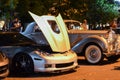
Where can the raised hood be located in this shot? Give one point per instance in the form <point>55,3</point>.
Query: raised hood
<point>54,31</point>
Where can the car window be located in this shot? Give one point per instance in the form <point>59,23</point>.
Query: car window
<point>72,25</point>
<point>37,29</point>
<point>54,26</point>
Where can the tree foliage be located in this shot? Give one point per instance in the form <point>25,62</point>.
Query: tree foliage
<point>102,11</point>
<point>99,11</point>
<point>7,7</point>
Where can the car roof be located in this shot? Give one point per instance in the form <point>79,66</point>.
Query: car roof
<point>65,20</point>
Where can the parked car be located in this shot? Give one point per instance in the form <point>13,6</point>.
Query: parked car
<point>44,50</point>
<point>94,45</point>
<point>4,70</point>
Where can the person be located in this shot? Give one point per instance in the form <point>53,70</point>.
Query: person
<point>2,25</point>
<point>84,25</point>
<point>118,25</point>
<point>113,24</point>
<point>16,25</point>
<point>118,22</point>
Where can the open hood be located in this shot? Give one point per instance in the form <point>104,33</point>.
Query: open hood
<point>14,39</point>
<point>54,31</point>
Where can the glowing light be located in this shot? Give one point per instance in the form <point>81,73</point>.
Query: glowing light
<point>117,0</point>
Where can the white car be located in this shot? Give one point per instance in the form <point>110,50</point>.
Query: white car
<point>47,50</point>
<point>94,45</point>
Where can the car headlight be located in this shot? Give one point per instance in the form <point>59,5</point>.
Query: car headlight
<point>111,36</point>
<point>117,43</point>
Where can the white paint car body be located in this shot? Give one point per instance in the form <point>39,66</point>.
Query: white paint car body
<point>37,57</point>
<point>64,58</point>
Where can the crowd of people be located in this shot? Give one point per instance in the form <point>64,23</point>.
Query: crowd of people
<point>14,25</point>
<point>114,24</point>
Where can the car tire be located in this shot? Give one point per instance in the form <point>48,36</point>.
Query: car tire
<point>93,54</point>
<point>22,63</point>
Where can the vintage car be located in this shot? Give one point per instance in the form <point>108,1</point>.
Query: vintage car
<point>4,63</point>
<point>40,48</point>
<point>94,45</point>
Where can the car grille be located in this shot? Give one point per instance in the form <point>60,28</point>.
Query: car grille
<point>64,65</point>
<point>3,69</point>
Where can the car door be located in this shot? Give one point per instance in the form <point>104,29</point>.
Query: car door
<point>54,31</point>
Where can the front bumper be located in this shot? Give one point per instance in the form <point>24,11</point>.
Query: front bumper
<point>57,62</point>
<point>54,69</point>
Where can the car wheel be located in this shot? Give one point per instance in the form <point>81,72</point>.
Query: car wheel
<point>22,64</point>
<point>93,54</point>
<point>113,58</point>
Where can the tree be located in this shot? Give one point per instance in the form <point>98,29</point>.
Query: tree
<point>39,7</point>
<point>102,11</point>
<point>7,8</point>
<point>93,10</point>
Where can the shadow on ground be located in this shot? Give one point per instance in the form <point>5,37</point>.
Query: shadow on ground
<point>81,62</point>
<point>116,67</point>
<point>41,74</point>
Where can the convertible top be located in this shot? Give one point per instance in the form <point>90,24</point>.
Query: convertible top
<point>14,39</point>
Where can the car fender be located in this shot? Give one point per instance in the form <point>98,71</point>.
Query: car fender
<point>38,61</point>
<point>100,41</point>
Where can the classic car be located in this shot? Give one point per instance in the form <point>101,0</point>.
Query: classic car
<point>94,45</point>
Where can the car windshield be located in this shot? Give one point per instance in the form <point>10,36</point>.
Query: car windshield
<point>54,26</point>
<point>72,25</point>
